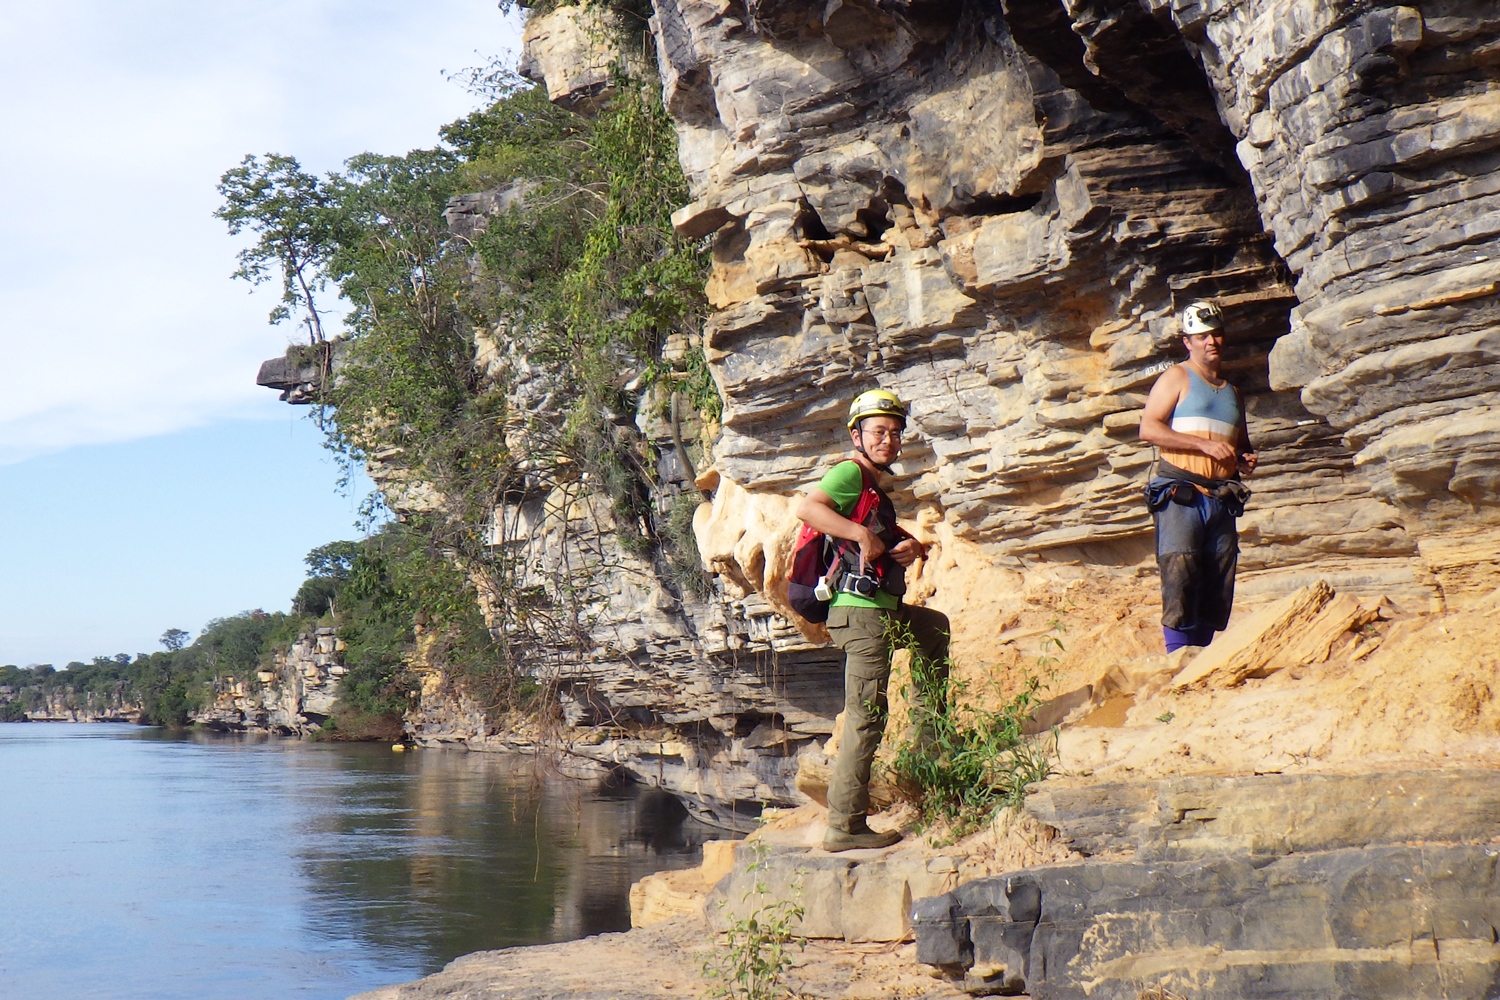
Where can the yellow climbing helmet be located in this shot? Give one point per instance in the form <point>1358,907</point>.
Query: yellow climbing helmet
<point>876,403</point>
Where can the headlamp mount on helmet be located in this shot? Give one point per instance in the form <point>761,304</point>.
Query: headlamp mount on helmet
<point>1200,318</point>
<point>876,403</point>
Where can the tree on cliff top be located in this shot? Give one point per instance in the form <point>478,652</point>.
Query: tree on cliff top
<point>569,293</point>
<point>297,223</point>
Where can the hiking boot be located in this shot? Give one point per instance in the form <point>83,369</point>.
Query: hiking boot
<point>840,840</point>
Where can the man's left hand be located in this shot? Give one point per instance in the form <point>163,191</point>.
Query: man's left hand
<point>908,551</point>
<point>1247,462</point>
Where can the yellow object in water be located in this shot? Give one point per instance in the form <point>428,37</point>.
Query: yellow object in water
<point>398,747</point>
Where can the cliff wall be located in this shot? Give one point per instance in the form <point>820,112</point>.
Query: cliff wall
<point>64,706</point>
<point>293,698</point>
<point>996,211</point>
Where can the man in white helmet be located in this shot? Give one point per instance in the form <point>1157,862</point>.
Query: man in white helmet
<point>1197,421</point>
<point>870,583</point>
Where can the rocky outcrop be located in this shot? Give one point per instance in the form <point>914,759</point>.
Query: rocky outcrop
<point>294,697</point>
<point>576,52</point>
<point>68,706</point>
<point>1273,885</point>
<point>1412,922</point>
<point>300,373</point>
<point>856,900</point>
<point>996,211</point>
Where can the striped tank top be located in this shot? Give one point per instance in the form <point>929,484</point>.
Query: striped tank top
<point>1206,412</point>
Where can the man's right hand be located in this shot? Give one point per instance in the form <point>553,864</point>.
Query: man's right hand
<point>1219,451</point>
<point>870,546</point>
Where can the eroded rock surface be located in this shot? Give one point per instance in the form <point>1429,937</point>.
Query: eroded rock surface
<point>1411,922</point>
<point>994,213</point>
<point>293,697</point>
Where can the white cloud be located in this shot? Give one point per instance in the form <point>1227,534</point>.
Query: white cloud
<point>117,315</point>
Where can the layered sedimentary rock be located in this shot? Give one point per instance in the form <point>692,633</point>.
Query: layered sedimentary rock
<point>293,697</point>
<point>65,706</point>
<point>995,213</point>
<point>1267,886</point>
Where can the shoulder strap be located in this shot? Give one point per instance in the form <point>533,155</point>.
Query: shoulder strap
<point>869,498</point>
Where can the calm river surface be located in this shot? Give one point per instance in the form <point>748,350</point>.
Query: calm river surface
<point>144,864</point>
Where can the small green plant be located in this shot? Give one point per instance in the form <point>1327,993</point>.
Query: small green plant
<point>756,952</point>
<point>963,762</point>
<point>1166,717</point>
<point>1051,645</point>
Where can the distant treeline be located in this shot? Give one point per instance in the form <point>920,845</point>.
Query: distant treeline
<point>372,591</point>
<point>167,686</point>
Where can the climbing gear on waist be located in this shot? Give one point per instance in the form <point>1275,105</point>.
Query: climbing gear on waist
<point>860,584</point>
<point>1178,488</point>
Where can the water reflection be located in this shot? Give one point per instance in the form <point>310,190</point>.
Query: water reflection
<point>163,867</point>
<point>444,852</point>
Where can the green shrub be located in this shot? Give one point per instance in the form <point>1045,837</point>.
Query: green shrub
<point>755,952</point>
<point>963,762</point>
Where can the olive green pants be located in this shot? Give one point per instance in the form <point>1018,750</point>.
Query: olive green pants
<point>861,634</point>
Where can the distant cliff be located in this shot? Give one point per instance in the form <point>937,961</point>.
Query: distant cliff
<point>294,695</point>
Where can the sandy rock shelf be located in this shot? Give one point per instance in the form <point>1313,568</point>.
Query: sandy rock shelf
<point>664,962</point>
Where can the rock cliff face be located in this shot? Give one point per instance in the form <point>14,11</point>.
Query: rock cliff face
<point>996,212</point>
<point>292,699</point>
<point>60,707</point>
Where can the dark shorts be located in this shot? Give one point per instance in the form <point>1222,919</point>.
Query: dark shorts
<point>1197,552</point>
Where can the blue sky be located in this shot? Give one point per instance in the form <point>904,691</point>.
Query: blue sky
<point>146,482</point>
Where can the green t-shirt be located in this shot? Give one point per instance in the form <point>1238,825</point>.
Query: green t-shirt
<point>844,483</point>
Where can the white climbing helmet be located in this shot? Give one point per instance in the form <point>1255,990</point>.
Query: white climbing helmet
<point>1201,317</point>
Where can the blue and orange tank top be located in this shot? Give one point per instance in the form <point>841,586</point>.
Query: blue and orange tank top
<point>1206,412</point>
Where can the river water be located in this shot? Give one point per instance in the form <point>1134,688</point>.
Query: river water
<point>144,865</point>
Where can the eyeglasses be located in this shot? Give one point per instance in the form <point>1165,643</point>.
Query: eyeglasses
<point>882,435</point>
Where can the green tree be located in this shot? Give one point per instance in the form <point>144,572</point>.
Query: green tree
<point>174,639</point>
<point>570,293</point>
<point>297,224</point>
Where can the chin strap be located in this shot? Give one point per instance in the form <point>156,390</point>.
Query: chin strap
<point>883,468</point>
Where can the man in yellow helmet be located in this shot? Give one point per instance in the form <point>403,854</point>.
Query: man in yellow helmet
<point>867,603</point>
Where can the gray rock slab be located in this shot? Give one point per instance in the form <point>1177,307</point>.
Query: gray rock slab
<point>1197,816</point>
<point>1388,922</point>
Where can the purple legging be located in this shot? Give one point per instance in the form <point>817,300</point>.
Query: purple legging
<point>1202,635</point>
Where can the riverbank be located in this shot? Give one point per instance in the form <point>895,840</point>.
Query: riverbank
<point>665,962</point>
<point>859,943</point>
